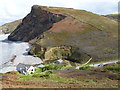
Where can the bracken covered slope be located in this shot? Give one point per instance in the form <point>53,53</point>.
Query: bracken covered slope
<point>62,28</point>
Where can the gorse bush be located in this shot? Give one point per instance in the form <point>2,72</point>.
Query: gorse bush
<point>85,68</point>
<point>118,62</point>
<point>40,69</point>
<point>49,67</point>
<point>53,67</point>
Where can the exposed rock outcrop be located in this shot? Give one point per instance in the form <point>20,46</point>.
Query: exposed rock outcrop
<point>34,24</point>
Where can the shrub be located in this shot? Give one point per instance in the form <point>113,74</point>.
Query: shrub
<point>53,67</point>
<point>58,52</point>
<point>85,68</point>
<point>118,62</point>
<point>38,51</point>
<point>39,70</point>
<point>67,67</point>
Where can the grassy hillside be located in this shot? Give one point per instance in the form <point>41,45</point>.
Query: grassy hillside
<point>93,35</point>
<point>9,27</point>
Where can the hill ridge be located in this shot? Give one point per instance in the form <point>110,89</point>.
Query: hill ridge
<point>86,33</point>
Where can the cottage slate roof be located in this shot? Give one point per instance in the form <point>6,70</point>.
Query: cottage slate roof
<point>23,65</point>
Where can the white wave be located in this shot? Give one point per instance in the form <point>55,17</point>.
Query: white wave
<point>8,49</point>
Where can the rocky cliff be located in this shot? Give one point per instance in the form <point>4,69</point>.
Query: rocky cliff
<point>34,24</point>
<point>69,34</point>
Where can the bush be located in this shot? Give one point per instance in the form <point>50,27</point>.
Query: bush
<point>53,67</point>
<point>118,62</point>
<point>58,52</point>
<point>67,67</point>
<point>85,68</point>
<point>38,51</point>
<point>41,69</point>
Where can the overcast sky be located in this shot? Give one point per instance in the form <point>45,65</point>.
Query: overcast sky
<point>11,10</point>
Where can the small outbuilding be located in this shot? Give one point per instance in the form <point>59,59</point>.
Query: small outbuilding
<point>25,69</point>
<point>41,66</point>
<point>58,61</point>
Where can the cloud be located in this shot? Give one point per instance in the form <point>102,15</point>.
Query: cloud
<point>11,10</point>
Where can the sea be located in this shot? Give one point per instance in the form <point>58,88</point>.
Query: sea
<point>17,50</point>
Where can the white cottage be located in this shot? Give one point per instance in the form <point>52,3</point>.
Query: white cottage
<point>25,69</point>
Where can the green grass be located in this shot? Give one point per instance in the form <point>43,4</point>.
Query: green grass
<point>36,75</point>
<point>47,76</point>
<point>25,77</point>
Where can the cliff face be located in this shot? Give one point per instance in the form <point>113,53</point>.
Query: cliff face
<point>48,28</point>
<point>34,24</point>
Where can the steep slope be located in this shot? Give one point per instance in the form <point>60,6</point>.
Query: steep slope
<point>9,27</point>
<point>35,23</point>
<point>69,34</point>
